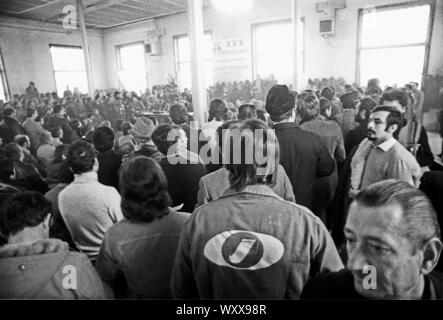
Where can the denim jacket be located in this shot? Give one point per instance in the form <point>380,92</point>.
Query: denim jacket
<point>251,244</point>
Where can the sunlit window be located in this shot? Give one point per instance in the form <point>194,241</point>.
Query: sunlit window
<point>393,44</point>
<point>69,68</point>
<point>183,61</point>
<point>273,50</point>
<point>132,69</point>
<point>3,84</point>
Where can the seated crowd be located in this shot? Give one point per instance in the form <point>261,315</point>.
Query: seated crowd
<point>316,196</point>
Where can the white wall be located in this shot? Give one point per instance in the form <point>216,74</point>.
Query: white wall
<point>321,55</point>
<point>25,48</point>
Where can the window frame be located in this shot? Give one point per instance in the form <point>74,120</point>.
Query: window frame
<point>390,7</point>
<point>52,62</point>
<point>4,78</point>
<point>118,57</point>
<point>254,27</point>
<point>175,40</point>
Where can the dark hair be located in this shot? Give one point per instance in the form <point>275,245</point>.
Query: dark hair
<point>394,117</point>
<point>308,107</point>
<point>6,169</point>
<point>22,210</point>
<point>235,124</point>
<point>244,171</point>
<point>178,113</point>
<point>30,112</point>
<point>21,139</point>
<point>421,223</point>
<point>218,110</point>
<point>325,104</point>
<point>144,190</point>
<point>65,175</point>
<point>327,92</point>
<point>12,151</point>
<point>9,111</point>
<point>59,152</point>
<point>57,108</point>
<point>55,131</point>
<point>348,101</point>
<point>261,115</point>
<point>246,112</point>
<point>160,137</point>
<point>126,126</point>
<point>103,139</point>
<point>366,105</point>
<point>81,157</point>
<point>395,95</point>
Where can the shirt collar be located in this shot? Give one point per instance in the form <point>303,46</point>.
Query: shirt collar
<point>259,189</point>
<point>388,144</point>
<point>86,177</point>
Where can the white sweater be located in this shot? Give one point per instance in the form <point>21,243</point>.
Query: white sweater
<point>89,208</point>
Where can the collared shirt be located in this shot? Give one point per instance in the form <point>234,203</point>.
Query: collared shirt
<point>390,160</point>
<point>251,244</point>
<point>89,208</point>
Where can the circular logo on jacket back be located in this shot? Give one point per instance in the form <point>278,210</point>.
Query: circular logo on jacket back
<point>246,250</point>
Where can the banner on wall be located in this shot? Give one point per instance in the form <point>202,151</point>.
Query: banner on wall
<point>232,60</point>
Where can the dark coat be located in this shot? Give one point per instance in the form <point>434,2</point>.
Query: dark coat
<point>9,129</point>
<point>340,286</point>
<point>355,136</point>
<point>304,158</point>
<point>109,163</point>
<point>69,134</point>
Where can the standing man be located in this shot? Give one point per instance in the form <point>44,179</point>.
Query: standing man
<point>32,92</point>
<point>381,156</point>
<point>303,155</point>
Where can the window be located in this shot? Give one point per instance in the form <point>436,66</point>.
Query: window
<point>131,67</point>
<point>183,61</point>
<point>4,92</point>
<point>273,50</point>
<point>69,68</point>
<point>393,44</point>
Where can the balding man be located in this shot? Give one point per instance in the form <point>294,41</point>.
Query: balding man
<point>393,246</point>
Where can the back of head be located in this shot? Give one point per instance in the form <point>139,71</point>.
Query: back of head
<point>21,140</point>
<point>103,139</point>
<point>366,105</point>
<point>23,210</point>
<point>247,112</point>
<point>57,108</point>
<point>325,105</point>
<point>30,112</point>
<point>12,151</point>
<point>165,136</point>
<point>348,101</point>
<point>126,126</point>
<point>81,157</point>
<point>251,155</point>
<point>327,92</point>
<point>6,169</point>
<point>308,107</point>
<point>144,190</point>
<point>418,215</point>
<point>8,112</point>
<point>395,95</point>
<point>280,103</point>
<point>218,110</point>
<point>178,113</point>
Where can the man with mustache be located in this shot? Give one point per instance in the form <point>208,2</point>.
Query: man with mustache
<point>381,156</point>
<point>393,245</point>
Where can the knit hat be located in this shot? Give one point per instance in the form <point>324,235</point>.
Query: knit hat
<point>279,101</point>
<point>143,128</point>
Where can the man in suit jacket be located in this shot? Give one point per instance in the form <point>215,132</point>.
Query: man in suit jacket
<point>33,129</point>
<point>302,154</point>
<point>58,120</point>
<point>10,127</point>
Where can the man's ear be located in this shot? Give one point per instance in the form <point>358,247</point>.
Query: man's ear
<point>431,255</point>
<point>393,128</point>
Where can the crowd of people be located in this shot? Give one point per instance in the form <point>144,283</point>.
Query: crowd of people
<point>323,193</point>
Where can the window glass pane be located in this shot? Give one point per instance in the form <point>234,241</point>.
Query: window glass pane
<point>184,50</point>
<point>392,66</point>
<point>184,75</point>
<point>395,27</point>
<point>2,91</point>
<point>279,65</point>
<point>132,73</point>
<point>67,59</point>
<point>72,79</point>
<point>273,38</point>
